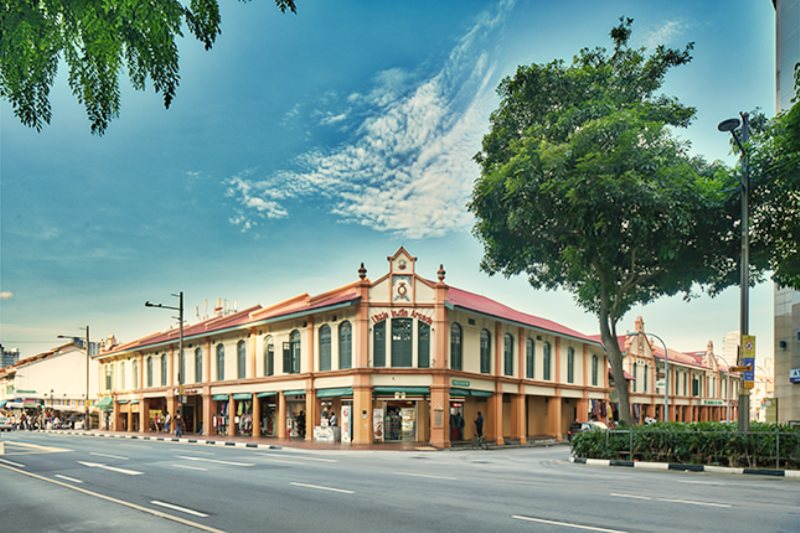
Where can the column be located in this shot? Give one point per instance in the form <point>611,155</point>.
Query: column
<point>554,417</point>
<point>172,407</point>
<point>311,410</point>
<point>129,427</point>
<point>231,416</point>
<point>520,418</point>
<point>256,417</point>
<point>209,412</point>
<point>583,409</point>
<point>144,415</point>
<point>115,415</point>
<point>440,412</point>
<point>362,411</point>
<point>281,416</point>
<point>253,338</point>
<point>497,416</point>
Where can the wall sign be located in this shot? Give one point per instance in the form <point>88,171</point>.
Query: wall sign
<point>794,375</point>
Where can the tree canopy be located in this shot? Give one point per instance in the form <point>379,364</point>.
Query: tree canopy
<point>96,40</point>
<point>584,187</point>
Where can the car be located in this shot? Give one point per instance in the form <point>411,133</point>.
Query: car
<point>5,424</point>
<point>577,427</point>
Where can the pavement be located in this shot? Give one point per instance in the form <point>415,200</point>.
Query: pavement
<point>59,482</point>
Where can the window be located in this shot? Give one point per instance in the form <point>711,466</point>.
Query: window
<point>135,374</point>
<point>163,369</point>
<point>455,346</point>
<point>570,365</point>
<point>530,357</point>
<point>646,371</point>
<point>220,362</point>
<point>149,370</point>
<point>402,329</point>
<point>324,348</point>
<point>109,373</point>
<point>379,344</point>
<point>546,360</point>
<point>508,354</point>
<point>345,345</point>
<point>486,351</point>
<point>294,350</point>
<point>423,345</point>
<point>198,365</point>
<point>241,360</point>
<point>685,383</point>
<point>269,356</point>
<point>695,386</point>
<point>635,375</point>
<point>182,369</point>
<point>122,375</point>
<point>595,365</point>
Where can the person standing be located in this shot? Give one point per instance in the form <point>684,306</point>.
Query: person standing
<point>167,420</point>
<point>178,426</point>
<point>479,426</point>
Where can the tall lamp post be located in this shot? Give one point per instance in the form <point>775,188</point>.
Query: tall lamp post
<point>666,371</point>
<point>86,403</point>
<point>727,388</point>
<point>730,125</point>
<point>179,309</point>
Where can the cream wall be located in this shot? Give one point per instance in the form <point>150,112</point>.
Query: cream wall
<point>64,373</point>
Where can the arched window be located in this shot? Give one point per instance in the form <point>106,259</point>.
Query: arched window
<point>570,365</point>
<point>109,374</point>
<point>149,370</point>
<point>456,355</point>
<point>220,362</point>
<point>293,365</point>
<point>198,365</point>
<point>530,354</point>
<point>324,348</point>
<point>163,369</point>
<point>595,364</point>
<point>402,333</point>
<point>269,356</point>
<point>547,360</point>
<point>508,354</point>
<point>646,371</point>
<point>486,351</point>
<point>241,360</point>
<point>135,364</point>
<point>345,345</point>
<point>379,344</point>
<point>182,368</point>
<point>635,375</point>
<point>423,345</point>
<point>122,375</point>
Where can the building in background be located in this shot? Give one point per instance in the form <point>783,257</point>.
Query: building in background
<point>787,301</point>
<point>9,357</point>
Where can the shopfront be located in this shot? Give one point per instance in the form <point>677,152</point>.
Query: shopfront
<point>268,412</point>
<point>156,413</point>
<point>330,403</point>
<point>221,419</point>
<point>192,413</point>
<point>295,413</point>
<point>400,414</point>
<point>243,413</point>
<point>464,407</point>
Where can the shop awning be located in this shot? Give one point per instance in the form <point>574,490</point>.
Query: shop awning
<point>463,393</point>
<point>219,397</point>
<point>123,402</point>
<point>408,390</point>
<point>459,392</point>
<point>298,392</point>
<point>242,396</point>
<point>266,394</point>
<point>335,393</point>
<point>31,403</point>
<point>105,403</point>
<point>3,403</point>
<point>134,402</point>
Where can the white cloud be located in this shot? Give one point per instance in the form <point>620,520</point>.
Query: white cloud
<point>6,295</point>
<point>407,167</point>
<point>664,34</point>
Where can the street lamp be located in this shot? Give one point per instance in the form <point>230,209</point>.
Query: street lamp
<point>727,388</point>
<point>86,403</point>
<point>730,125</point>
<point>666,370</point>
<point>179,309</point>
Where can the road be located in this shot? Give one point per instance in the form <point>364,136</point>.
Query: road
<point>76,483</point>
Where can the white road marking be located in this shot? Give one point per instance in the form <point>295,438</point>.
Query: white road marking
<point>565,524</point>
<point>320,487</point>
<point>633,496</point>
<point>43,449</point>
<point>179,508</point>
<point>108,455</point>
<point>690,502</point>
<point>12,463</point>
<point>112,468</point>
<point>319,459</point>
<point>69,478</point>
<point>217,461</point>
<point>278,460</point>
<point>431,476</point>
<point>187,467</point>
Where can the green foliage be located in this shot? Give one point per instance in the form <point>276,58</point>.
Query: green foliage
<point>97,39</point>
<point>584,187</point>
<point>711,443</point>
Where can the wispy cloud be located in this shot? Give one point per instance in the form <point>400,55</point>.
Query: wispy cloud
<point>407,166</point>
<point>664,34</point>
<point>6,295</point>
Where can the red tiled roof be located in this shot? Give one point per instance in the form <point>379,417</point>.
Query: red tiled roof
<point>620,341</point>
<point>482,304</point>
<point>680,357</point>
<point>308,304</point>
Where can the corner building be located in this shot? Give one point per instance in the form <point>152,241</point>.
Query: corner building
<point>401,358</point>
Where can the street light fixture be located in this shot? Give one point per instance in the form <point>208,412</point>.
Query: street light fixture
<point>666,370</point>
<point>86,403</point>
<point>179,309</point>
<point>730,126</point>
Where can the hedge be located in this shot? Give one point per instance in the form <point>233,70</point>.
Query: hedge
<point>707,443</point>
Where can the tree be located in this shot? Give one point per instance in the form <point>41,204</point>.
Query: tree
<point>584,187</point>
<point>96,39</point>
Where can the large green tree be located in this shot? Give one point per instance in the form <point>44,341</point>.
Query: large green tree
<point>97,39</point>
<point>583,186</point>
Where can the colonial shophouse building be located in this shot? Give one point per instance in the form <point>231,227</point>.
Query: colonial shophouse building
<point>401,358</point>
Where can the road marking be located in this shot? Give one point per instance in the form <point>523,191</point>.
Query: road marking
<point>108,455</point>
<point>633,496</point>
<point>179,508</point>
<point>43,449</point>
<point>187,467</point>
<point>320,487</point>
<point>318,459</point>
<point>690,502</point>
<point>565,524</point>
<point>217,461</point>
<point>112,468</point>
<point>431,476</point>
<point>12,463</point>
<point>69,478</point>
<point>278,460</point>
<point>137,507</point>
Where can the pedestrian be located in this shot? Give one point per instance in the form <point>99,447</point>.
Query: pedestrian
<point>332,419</point>
<point>301,424</point>
<point>479,426</point>
<point>178,425</point>
<point>459,426</point>
<point>166,422</point>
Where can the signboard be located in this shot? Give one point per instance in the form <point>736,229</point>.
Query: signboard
<point>750,375</point>
<point>661,383</point>
<point>377,424</point>
<point>712,402</point>
<point>748,346</point>
<point>346,423</point>
<point>794,375</point>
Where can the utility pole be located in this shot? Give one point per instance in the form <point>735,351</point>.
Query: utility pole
<point>179,309</point>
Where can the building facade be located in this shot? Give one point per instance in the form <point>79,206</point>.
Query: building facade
<point>8,357</point>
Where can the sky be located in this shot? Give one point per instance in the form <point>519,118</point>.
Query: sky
<point>302,145</point>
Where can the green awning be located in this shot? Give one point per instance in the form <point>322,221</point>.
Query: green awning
<point>482,393</point>
<point>408,390</point>
<point>3,403</point>
<point>463,393</point>
<point>134,402</point>
<point>105,403</point>
<point>123,402</point>
<point>298,392</point>
<point>335,393</point>
<point>459,392</point>
<point>266,394</point>
<point>242,396</point>
<point>219,397</point>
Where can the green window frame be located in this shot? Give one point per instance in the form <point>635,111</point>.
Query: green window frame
<point>198,365</point>
<point>635,375</point>
<point>508,354</point>
<point>530,358</point>
<point>324,335</point>
<point>379,344</point>
<point>241,360</point>
<point>402,342</point>
<point>456,354</point>
<point>646,372</point>
<point>595,367</point>
<point>486,351</point>
<point>547,361</point>
<point>135,365</point>
<point>163,369</point>
<point>122,375</point>
<point>109,374</point>
<point>345,345</point>
<point>220,362</point>
<point>570,365</point>
<point>423,345</point>
<point>149,370</point>
<point>269,356</point>
<point>294,348</point>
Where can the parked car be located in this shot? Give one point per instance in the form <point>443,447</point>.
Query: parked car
<point>577,427</point>
<point>5,424</point>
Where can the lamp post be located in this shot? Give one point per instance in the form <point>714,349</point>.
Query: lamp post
<point>727,388</point>
<point>666,371</point>
<point>179,309</point>
<point>87,346</point>
<point>730,125</point>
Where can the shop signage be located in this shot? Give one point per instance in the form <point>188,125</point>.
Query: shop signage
<point>401,313</point>
<point>460,383</point>
<point>22,391</point>
<point>346,422</point>
<point>794,375</point>
<point>713,402</point>
<point>377,424</point>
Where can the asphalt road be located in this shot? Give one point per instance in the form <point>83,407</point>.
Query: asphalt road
<point>76,483</point>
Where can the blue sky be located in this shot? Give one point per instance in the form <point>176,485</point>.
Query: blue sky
<point>302,145</point>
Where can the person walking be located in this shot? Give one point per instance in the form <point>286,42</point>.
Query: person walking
<point>479,426</point>
<point>167,420</point>
<point>178,426</point>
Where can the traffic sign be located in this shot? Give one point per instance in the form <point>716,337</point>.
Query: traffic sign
<point>742,368</point>
<point>748,345</point>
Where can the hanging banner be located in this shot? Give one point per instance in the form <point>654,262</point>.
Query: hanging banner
<point>377,424</point>
<point>346,423</point>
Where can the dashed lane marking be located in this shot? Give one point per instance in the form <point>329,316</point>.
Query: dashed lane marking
<point>179,508</point>
<point>321,487</point>
<point>690,502</point>
<point>187,467</point>
<point>430,476</point>
<point>68,478</point>
<point>12,463</point>
<point>565,524</point>
<point>216,461</point>
<point>632,496</point>
<point>112,468</point>
<point>279,460</point>
<point>109,455</point>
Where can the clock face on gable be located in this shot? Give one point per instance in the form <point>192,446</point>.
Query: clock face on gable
<point>401,288</point>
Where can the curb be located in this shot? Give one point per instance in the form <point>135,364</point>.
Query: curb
<point>644,465</point>
<point>166,439</point>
